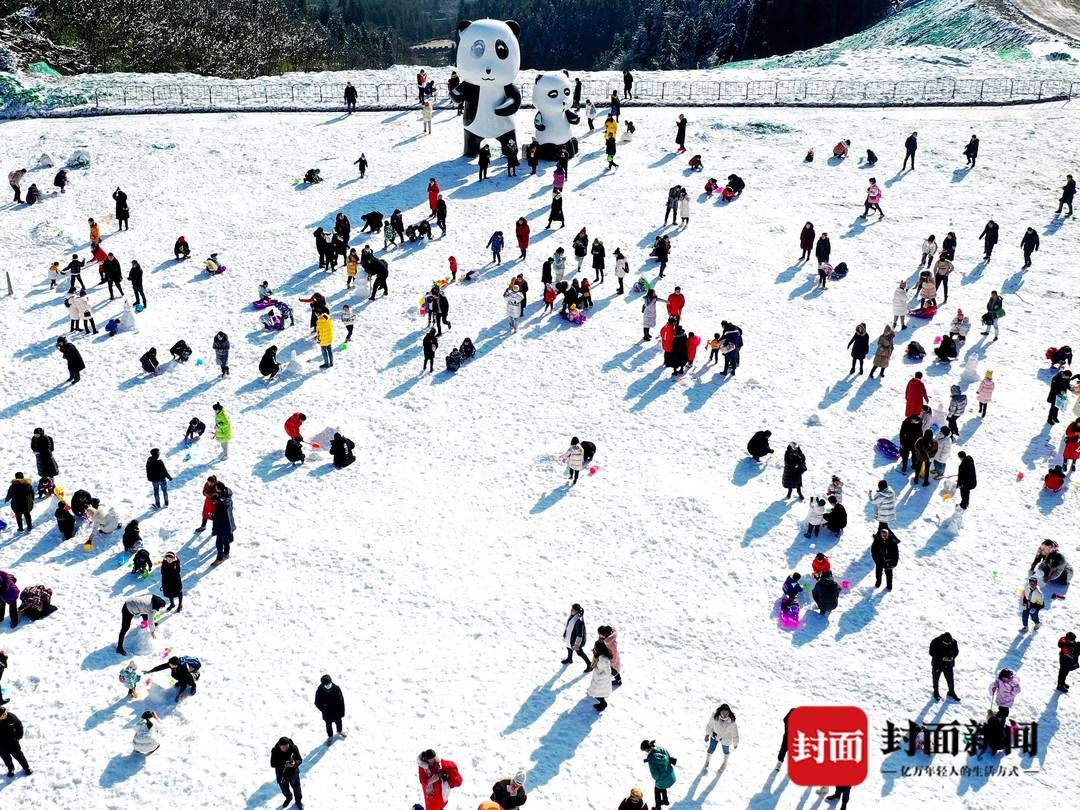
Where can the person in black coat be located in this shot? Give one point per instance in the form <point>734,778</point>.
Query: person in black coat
<point>1067,194</point>
<point>1058,386</point>
<point>42,446</point>
<point>294,450</point>
<point>965,478</point>
<point>590,451</point>
<point>11,732</point>
<point>223,523</point>
<point>910,432</point>
<point>379,269</point>
<point>269,366</point>
<point>989,236</point>
<point>3,666</point>
<point>342,451</point>
<point>323,247</point>
<point>946,350</point>
<point>885,551</point>
<point>114,275</point>
<point>285,759</point>
<point>948,246</point>
<point>860,347</point>
<point>65,521</point>
<point>794,467</point>
<point>149,361</point>
<point>823,249</point>
<point>122,211</point>
<point>440,214</point>
<point>971,151</point>
<point>330,701</point>
<point>157,475</point>
<point>758,446</point>
<point>826,592</point>
<point>943,652</point>
<point>1029,244</point>
<point>172,586</point>
<point>509,793</point>
<point>836,516</point>
<point>430,344</point>
<point>20,497</point>
<point>911,146</point>
<point>74,360</point>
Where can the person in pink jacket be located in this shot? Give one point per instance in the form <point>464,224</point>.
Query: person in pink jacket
<point>873,199</point>
<point>1004,690</point>
<point>985,392</point>
<point>609,635</point>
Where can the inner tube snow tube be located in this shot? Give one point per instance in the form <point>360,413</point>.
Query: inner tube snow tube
<point>927,312</point>
<point>265,303</point>
<point>888,449</point>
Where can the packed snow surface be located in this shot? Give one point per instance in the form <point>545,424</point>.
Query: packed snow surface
<point>433,578</point>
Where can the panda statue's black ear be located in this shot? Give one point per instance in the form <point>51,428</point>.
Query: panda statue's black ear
<point>539,76</point>
<point>463,24</point>
<point>513,26</point>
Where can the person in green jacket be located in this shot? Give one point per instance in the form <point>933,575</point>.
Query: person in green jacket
<point>222,428</point>
<point>661,769</point>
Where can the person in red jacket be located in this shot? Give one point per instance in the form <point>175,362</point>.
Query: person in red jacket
<point>675,303</point>
<point>521,231</point>
<point>209,504</point>
<point>1055,479</point>
<point>293,425</point>
<point>1072,444</point>
<point>820,565</point>
<point>692,343</point>
<point>437,778</point>
<point>667,339</point>
<point>453,268</point>
<point>433,192</point>
<point>915,395</point>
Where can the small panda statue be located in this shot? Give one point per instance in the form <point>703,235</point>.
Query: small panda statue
<point>488,60</point>
<point>552,98</point>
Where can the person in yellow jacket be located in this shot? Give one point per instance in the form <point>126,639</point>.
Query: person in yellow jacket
<point>351,265</point>
<point>95,232</point>
<point>324,332</point>
<point>222,428</point>
<point>611,127</point>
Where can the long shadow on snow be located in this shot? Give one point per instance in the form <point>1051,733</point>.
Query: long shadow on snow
<point>747,470</point>
<point>561,742</point>
<point>121,768</point>
<point>180,399</point>
<point>765,521</point>
<point>868,387</point>
<point>1013,658</point>
<point>698,391</point>
<point>549,499</point>
<point>539,701</point>
<point>1037,453</point>
<point>856,617</point>
<point>767,797</point>
<point>1048,727</point>
<point>696,802</point>
<point>800,545</point>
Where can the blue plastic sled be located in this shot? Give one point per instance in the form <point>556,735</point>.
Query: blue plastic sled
<point>888,449</point>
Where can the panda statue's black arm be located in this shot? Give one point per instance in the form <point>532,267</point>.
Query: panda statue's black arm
<point>512,103</point>
<point>572,117</point>
<point>460,93</point>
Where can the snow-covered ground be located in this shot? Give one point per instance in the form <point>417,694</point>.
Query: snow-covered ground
<point>432,579</point>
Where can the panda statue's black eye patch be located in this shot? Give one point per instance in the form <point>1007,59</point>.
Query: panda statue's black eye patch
<point>501,50</point>
<point>553,93</point>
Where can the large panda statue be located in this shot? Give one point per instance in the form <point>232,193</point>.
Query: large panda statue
<point>553,99</point>
<point>488,59</point>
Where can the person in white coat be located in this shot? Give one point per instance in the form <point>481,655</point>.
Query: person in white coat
<point>684,208</point>
<point>944,450</point>
<point>815,518</point>
<point>622,269</point>
<point>884,501</point>
<point>102,519</point>
<point>80,310</point>
<point>900,305</point>
<point>146,739</point>
<point>929,249</point>
<point>513,298</point>
<point>575,459</point>
<point>425,113</point>
<point>721,730</point>
<point>648,313</point>
<point>600,685</point>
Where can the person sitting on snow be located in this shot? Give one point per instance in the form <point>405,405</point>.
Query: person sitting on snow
<point>960,326</point>
<point>696,164</point>
<point>468,350</point>
<point>736,184</point>
<point>265,292</point>
<point>841,149</point>
<point>149,361</point>
<point>1055,479</point>
<point>312,176</point>
<point>180,351</point>
<point>711,185</point>
<point>213,265</point>
<point>946,350</point>
<point>181,250</point>
<point>195,429</point>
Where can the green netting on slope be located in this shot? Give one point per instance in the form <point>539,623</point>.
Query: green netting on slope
<point>43,69</point>
<point>1014,54</point>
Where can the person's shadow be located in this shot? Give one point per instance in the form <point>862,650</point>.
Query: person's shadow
<point>560,742</point>
<point>121,768</point>
<point>539,701</point>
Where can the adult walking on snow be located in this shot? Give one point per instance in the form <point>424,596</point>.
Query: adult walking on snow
<point>883,353</point>
<point>42,447</point>
<point>221,352</point>
<point>574,636</point>
<point>285,759</point>
<point>600,684</point>
<point>823,249</point>
<point>75,364</point>
<point>324,330</point>
<point>680,133</point>
<point>860,347</point>
<point>989,236</point>
<point>331,702</point>
<point>911,146</point>
<point>438,776</point>
<point>884,503</point>
<point>430,344</point>
<point>1029,244</point>
<point>575,459</point>
<point>123,213</point>
<point>222,429</point>
<point>661,769</point>
<point>721,730</point>
<point>1067,195</point>
<point>11,734</point>
<point>806,241</point>
<point>943,652</point>
<point>20,497</point>
<point>885,552</point>
<point>873,200</point>
<point>971,151</point>
<point>158,476</point>
<point>965,478</point>
<point>915,395</point>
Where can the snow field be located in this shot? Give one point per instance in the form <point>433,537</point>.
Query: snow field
<point>432,578</point>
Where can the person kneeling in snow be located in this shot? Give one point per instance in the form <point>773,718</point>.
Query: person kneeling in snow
<point>146,739</point>
<point>149,361</point>
<point>183,669</point>
<point>342,451</point>
<point>294,450</point>
<point>180,351</point>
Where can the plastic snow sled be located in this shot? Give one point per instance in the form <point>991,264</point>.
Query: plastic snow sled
<point>264,303</point>
<point>888,449</point>
<point>923,312</point>
<point>576,316</point>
